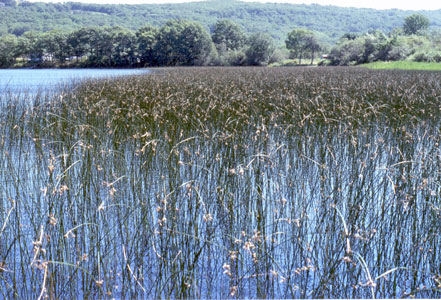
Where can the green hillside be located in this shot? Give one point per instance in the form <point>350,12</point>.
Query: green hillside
<point>276,19</point>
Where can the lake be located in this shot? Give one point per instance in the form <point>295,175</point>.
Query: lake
<point>44,80</point>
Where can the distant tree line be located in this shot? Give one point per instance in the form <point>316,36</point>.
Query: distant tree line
<point>410,42</point>
<point>177,43</point>
<point>188,43</point>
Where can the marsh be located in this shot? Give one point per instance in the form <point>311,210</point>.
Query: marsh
<point>225,182</point>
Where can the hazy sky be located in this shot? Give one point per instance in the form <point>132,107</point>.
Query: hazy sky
<point>378,4</point>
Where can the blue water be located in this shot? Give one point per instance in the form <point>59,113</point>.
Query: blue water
<point>44,80</point>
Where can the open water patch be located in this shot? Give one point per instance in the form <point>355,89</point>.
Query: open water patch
<point>32,81</point>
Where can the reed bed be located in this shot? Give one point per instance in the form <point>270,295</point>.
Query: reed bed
<point>225,183</point>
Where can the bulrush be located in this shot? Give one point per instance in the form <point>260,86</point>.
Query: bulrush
<point>225,182</point>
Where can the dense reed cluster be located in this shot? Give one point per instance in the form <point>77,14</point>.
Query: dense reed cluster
<point>225,183</point>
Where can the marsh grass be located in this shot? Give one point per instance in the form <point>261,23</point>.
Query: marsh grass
<point>224,182</point>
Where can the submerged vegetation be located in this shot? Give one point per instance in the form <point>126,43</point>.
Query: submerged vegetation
<point>224,182</point>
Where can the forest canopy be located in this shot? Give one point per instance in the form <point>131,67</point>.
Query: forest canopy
<point>277,20</point>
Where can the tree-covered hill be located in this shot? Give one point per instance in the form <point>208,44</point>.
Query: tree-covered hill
<point>275,19</point>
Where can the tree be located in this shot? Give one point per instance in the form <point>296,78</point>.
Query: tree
<point>415,24</point>
<point>19,29</point>
<point>8,47</point>
<point>302,41</point>
<point>228,33</point>
<point>260,49</point>
<point>54,44</point>
<point>314,46</point>
<point>296,43</point>
<point>349,36</point>
<point>369,47</point>
<point>34,46</point>
<point>124,47</point>
<point>9,2</point>
<point>183,43</point>
<point>146,38</point>
<point>80,41</point>
<point>101,47</point>
<point>348,52</point>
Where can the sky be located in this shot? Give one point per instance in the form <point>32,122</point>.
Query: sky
<point>377,4</point>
